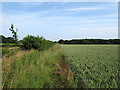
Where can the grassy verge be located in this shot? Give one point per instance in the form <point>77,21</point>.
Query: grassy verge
<point>9,44</point>
<point>33,69</point>
<point>9,51</point>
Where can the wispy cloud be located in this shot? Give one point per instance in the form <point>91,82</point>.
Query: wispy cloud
<point>82,9</point>
<point>31,4</point>
<point>61,20</point>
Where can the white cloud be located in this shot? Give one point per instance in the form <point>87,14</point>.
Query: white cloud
<point>82,9</point>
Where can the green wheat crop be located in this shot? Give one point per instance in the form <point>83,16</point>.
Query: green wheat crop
<point>94,66</point>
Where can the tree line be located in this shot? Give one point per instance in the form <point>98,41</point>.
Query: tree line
<point>14,39</point>
<point>4,39</point>
<point>90,41</point>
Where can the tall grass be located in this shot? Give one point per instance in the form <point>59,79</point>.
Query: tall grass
<point>34,69</point>
<point>9,51</point>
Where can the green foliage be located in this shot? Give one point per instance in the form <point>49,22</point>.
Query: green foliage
<point>4,39</point>
<point>9,51</point>
<point>9,44</point>
<point>94,66</point>
<point>33,69</point>
<point>61,41</point>
<point>5,51</point>
<point>14,33</point>
<point>38,43</point>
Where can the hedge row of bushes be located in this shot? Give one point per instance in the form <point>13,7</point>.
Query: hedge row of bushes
<point>36,42</point>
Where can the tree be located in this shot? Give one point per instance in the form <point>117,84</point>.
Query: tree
<point>14,33</point>
<point>4,39</point>
<point>61,41</point>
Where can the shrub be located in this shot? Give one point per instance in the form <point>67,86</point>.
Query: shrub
<point>9,51</point>
<point>38,43</point>
<point>5,51</point>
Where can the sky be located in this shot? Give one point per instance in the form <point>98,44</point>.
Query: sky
<point>61,20</point>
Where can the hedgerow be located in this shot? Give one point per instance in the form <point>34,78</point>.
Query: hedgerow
<point>36,42</point>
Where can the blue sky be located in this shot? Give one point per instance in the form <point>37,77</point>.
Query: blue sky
<point>61,20</point>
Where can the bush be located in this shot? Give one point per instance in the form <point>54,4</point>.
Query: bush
<point>9,51</point>
<point>38,43</point>
<point>5,51</point>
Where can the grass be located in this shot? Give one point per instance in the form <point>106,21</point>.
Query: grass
<point>82,66</point>
<point>9,51</point>
<point>94,66</point>
<point>9,44</point>
<point>0,52</point>
<point>34,69</point>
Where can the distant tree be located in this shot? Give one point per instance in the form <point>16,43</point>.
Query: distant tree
<point>55,41</point>
<point>4,39</point>
<point>10,40</point>
<point>90,41</point>
<point>61,41</point>
<point>14,33</point>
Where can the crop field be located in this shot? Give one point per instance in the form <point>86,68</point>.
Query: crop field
<point>94,66</point>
